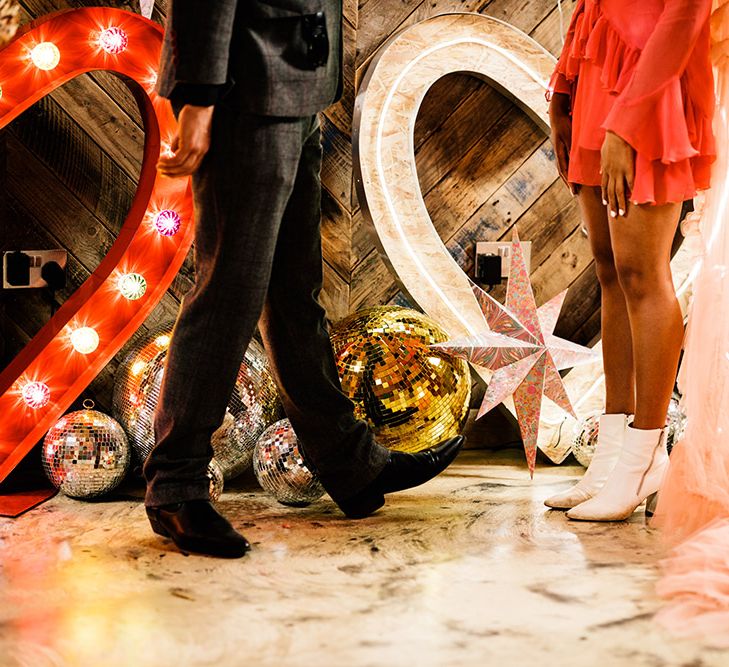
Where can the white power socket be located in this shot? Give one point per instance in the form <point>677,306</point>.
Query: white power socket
<point>503,249</point>
<point>37,259</point>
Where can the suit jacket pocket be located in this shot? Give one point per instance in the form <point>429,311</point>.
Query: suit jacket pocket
<point>283,30</point>
<point>282,9</point>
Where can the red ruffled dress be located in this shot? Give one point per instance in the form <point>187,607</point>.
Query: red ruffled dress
<point>641,69</point>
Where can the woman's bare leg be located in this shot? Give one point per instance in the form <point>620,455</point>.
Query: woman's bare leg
<point>617,343</point>
<point>641,245</point>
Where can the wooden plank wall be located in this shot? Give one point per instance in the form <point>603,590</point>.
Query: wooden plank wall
<point>70,165</point>
<point>483,167</point>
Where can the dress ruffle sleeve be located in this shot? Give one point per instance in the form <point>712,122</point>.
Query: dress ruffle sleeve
<point>656,110</point>
<point>643,71</point>
<point>565,73</point>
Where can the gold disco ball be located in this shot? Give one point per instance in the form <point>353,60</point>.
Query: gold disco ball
<point>411,395</point>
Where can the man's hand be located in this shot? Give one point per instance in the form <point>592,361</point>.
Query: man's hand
<point>190,144</point>
<point>617,163</point>
<point>561,131</point>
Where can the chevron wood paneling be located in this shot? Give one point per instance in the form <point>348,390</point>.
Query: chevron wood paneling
<point>70,165</point>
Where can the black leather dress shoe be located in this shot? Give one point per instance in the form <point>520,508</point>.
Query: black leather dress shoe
<point>402,471</point>
<point>196,526</point>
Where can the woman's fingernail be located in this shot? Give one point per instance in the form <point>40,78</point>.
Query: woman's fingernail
<point>613,214</point>
<point>604,202</point>
<point>622,212</point>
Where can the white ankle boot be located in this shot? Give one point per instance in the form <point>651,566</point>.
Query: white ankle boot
<point>637,475</point>
<point>610,437</point>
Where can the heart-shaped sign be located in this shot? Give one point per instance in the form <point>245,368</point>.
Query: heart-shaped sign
<point>101,315</point>
<point>385,113</point>
<point>387,182</point>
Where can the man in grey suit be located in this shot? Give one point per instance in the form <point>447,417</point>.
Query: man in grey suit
<point>246,79</point>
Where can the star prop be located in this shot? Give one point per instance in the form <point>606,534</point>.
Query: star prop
<point>522,351</point>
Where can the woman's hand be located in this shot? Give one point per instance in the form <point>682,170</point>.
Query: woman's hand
<point>560,123</point>
<point>617,165</point>
<point>190,144</point>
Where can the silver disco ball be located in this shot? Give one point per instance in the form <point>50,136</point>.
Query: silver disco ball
<point>675,424</point>
<point>217,482</point>
<point>253,406</point>
<point>86,454</point>
<point>586,432</point>
<point>281,470</point>
<point>585,439</point>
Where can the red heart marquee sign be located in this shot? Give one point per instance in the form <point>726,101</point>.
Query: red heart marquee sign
<point>95,322</point>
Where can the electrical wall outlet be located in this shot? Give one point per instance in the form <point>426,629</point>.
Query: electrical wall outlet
<point>503,249</point>
<point>22,268</point>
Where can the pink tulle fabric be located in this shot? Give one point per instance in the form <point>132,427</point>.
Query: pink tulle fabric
<point>693,509</point>
<point>641,70</point>
<point>696,586</point>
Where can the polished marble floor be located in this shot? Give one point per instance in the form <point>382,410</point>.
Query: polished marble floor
<point>468,570</point>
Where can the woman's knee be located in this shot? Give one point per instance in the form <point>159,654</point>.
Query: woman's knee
<point>605,269</point>
<point>640,279</point>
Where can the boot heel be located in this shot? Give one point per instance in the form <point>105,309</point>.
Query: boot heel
<point>157,527</point>
<point>650,504</point>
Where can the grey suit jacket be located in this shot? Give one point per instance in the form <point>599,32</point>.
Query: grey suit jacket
<point>258,49</point>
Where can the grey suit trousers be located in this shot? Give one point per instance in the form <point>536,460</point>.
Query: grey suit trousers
<point>258,260</point>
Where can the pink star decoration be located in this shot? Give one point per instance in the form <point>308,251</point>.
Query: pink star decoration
<point>520,347</point>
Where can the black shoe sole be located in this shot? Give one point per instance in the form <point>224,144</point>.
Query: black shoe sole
<point>362,507</point>
<point>367,502</point>
<point>192,546</point>
<point>448,456</point>
<point>157,527</point>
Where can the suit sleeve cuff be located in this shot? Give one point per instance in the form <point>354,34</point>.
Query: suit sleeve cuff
<point>196,94</point>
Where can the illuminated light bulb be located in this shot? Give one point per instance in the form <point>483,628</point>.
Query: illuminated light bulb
<point>84,340</point>
<point>167,222</point>
<point>45,55</point>
<point>132,286</point>
<point>162,341</point>
<point>113,40</point>
<point>36,394</point>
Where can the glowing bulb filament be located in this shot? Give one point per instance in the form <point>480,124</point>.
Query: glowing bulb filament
<point>84,340</point>
<point>36,394</point>
<point>132,286</point>
<point>167,222</point>
<point>45,55</point>
<point>113,40</point>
